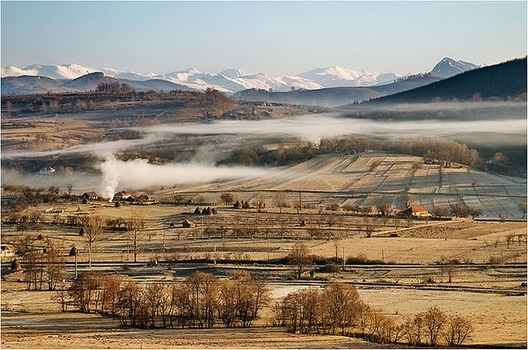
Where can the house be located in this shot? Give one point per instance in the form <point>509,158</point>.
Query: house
<point>416,211</point>
<point>123,196</point>
<point>144,198</point>
<point>90,196</point>
<point>47,171</point>
<point>8,252</point>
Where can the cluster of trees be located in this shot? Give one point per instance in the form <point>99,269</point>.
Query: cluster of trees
<point>214,98</point>
<point>23,196</point>
<point>444,151</point>
<point>258,155</point>
<point>457,210</point>
<point>44,267</point>
<point>114,87</point>
<point>338,308</point>
<point>200,301</point>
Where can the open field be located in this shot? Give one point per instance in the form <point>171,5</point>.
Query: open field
<point>491,295</point>
<point>370,178</point>
<point>404,260</point>
<point>33,320</point>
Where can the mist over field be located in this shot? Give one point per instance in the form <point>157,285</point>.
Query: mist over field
<point>138,173</point>
<point>313,128</point>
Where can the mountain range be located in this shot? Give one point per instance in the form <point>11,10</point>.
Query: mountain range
<point>62,78</point>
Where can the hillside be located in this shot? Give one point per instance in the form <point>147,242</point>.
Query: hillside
<point>337,96</point>
<point>30,85</point>
<point>371,178</point>
<point>502,81</point>
<point>23,85</point>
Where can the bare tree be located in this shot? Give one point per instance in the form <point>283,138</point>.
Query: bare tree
<point>458,330</point>
<point>280,201</point>
<point>69,187</point>
<point>55,268</point>
<point>343,305</point>
<point>92,229</point>
<point>406,199</point>
<point>450,268</point>
<point>227,198</point>
<point>383,208</point>
<point>434,320</point>
<point>34,269</point>
<point>135,224</point>
<point>300,257</point>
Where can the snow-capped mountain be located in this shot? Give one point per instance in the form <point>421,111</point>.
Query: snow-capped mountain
<point>336,76</point>
<point>448,67</point>
<point>233,80</point>
<point>230,80</point>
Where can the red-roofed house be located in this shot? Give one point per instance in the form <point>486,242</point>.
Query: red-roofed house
<point>122,196</point>
<point>416,211</point>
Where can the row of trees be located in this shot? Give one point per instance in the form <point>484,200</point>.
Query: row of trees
<point>338,308</point>
<point>200,301</point>
<point>43,267</point>
<point>442,150</point>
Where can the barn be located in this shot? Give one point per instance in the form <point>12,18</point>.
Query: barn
<point>416,211</point>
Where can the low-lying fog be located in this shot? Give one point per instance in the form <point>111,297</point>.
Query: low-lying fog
<point>136,174</point>
<point>315,127</point>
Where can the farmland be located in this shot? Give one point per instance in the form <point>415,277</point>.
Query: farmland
<point>345,207</point>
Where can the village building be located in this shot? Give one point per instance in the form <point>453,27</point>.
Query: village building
<point>416,211</point>
<point>144,198</point>
<point>47,171</point>
<point>90,196</point>
<point>123,196</point>
<point>8,252</point>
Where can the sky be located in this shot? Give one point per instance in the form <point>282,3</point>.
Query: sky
<point>275,38</point>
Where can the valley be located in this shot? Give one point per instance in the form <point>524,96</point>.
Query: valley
<point>383,206</point>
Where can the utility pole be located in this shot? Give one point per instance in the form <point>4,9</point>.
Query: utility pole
<point>343,258</point>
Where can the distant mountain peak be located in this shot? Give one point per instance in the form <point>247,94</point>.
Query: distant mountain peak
<point>233,73</point>
<point>449,67</point>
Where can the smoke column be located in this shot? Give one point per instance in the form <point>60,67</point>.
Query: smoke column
<point>139,174</point>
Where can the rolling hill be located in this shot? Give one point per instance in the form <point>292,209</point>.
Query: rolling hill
<point>337,96</point>
<point>502,81</point>
<point>89,82</point>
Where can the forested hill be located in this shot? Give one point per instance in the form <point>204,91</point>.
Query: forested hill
<point>502,81</point>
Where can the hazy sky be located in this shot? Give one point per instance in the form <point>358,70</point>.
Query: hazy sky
<point>275,38</point>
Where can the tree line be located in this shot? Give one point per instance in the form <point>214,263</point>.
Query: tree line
<point>442,151</point>
<point>204,301</point>
<point>338,309</point>
<point>200,301</point>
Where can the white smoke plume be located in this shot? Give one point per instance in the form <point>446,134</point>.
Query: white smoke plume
<point>139,174</point>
